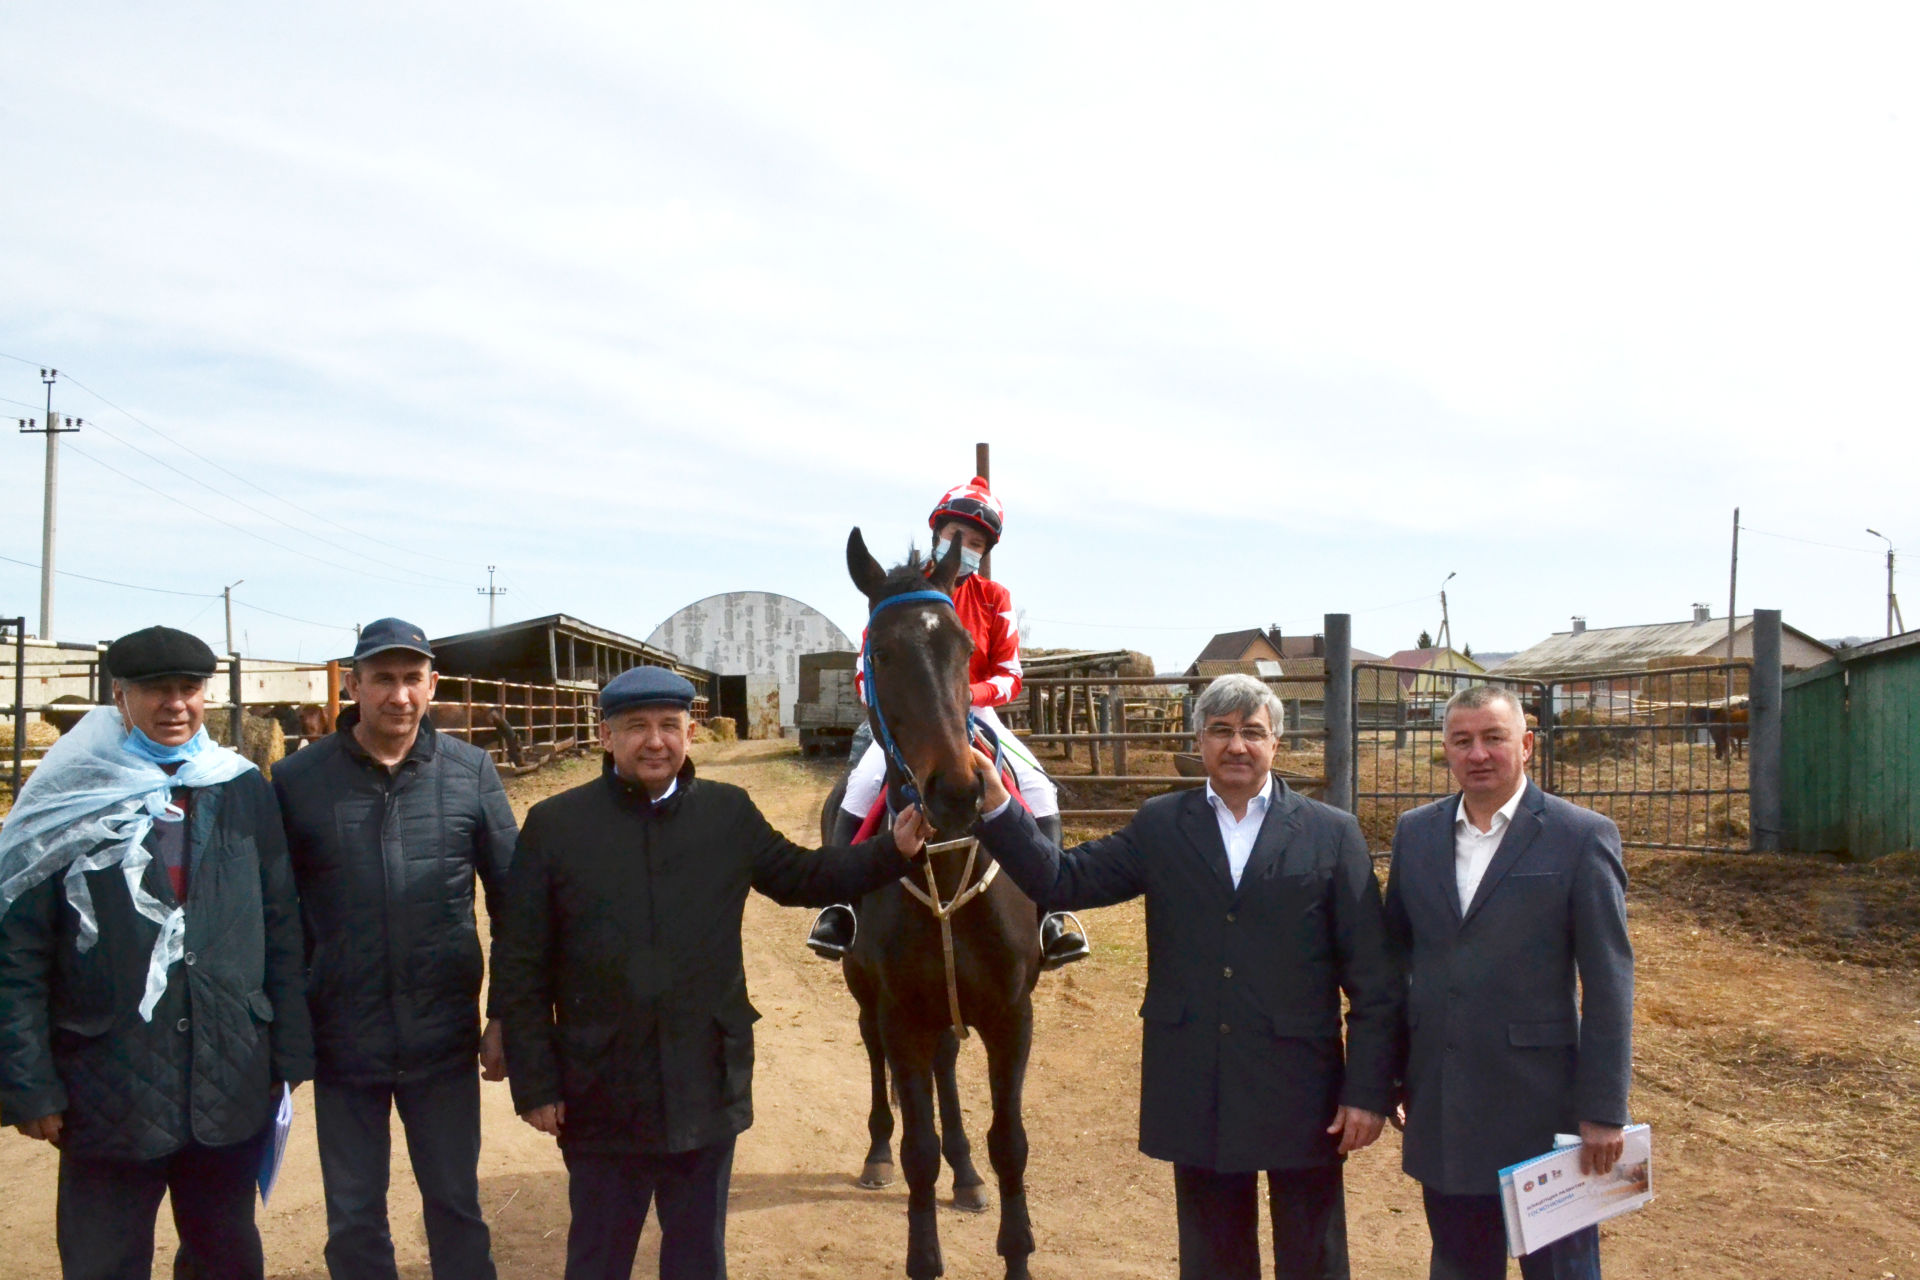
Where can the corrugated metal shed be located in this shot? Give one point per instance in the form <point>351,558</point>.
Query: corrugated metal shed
<point>1597,649</point>
<point>1851,774</point>
<point>559,650</point>
<point>752,633</point>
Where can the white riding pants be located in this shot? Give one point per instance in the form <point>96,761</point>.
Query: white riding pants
<point>864,783</point>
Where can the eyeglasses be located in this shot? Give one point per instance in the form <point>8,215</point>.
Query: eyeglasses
<point>1252,734</point>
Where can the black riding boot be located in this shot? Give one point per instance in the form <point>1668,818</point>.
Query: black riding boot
<point>1059,945</point>
<point>835,926</point>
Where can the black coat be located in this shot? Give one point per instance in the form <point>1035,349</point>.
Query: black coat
<point>618,975</point>
<point>1503,1053</point>
<point>1241,1065</point>
<point>386,866</point>
<point>231,1021</point>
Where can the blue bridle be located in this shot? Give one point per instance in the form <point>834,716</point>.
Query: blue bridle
<point>910,786</point>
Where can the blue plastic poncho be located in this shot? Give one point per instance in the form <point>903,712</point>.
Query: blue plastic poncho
<point>89,806</point>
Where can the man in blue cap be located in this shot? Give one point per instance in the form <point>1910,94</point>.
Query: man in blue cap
<point>390,824</point>
<point>618,977</point>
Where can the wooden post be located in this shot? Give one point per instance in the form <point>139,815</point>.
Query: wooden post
<point>333,694</point>
<point>1096,725</point>
<point>981,468</point>
<point>236,696</point>
<point>1117,717</point>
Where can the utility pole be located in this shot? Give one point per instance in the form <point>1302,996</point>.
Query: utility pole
<point>491,593</point>
<point>228,593</point>
<point>1446,624</point>
<point>1733,582</point>
<point>1733,595</point>
<point>48,519</point>
<point>981,467</point>
<point>1893,601</point>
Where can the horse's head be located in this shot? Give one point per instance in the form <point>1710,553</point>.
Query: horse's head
<point>918,651</point>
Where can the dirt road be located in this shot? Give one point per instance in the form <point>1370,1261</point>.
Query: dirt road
<point>1781,1085</point>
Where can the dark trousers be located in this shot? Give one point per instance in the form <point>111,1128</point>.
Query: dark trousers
<point>1470,1243</point>
<point>609,1195</point>
<point>1219,1223</point>
<point>441,1117</point>
<point>105,1212</point>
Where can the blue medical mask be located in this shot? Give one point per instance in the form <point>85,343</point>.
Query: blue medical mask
<point>969,558</point>
<point>147,749</point>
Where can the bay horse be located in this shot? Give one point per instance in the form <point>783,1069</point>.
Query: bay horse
<point>915,656</point>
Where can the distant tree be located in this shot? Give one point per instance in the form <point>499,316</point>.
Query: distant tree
<point>1426,641</point>
<point>1466,651</point>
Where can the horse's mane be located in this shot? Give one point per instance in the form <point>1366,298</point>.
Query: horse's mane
<point>902,578</point>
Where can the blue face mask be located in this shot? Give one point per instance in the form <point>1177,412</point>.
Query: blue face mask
<point>147,749</point>
<point>969,558</point>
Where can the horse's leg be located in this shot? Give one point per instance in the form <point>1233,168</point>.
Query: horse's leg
<point>879,1167</point>
<point>910,1054</point>
<point>1007,1050</point>
<point>968,1185</point>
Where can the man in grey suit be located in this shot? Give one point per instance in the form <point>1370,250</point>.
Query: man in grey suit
<point>1501,897</point>
<point>1262,909</point>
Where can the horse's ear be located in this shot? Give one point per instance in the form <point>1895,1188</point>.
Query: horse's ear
<point>861,566</point>
<point>946,570</point>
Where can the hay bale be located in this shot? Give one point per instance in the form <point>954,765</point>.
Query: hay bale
<point>723,729</point>
<point>40,735</point>
<point>262,740</point>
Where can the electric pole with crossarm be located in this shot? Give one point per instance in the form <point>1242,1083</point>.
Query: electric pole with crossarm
<point>50,508</point>
<point>492,593</point>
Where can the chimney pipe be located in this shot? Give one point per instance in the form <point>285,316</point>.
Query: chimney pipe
<point>1702,612</point>
<point>1579,625</point>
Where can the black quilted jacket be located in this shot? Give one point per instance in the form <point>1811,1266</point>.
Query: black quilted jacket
<point>386,866</point>
<point>231,1021</point>
<point>618,971</point>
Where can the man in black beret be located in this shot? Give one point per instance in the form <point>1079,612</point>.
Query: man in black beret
<point>618,977</point>
<point>151,995</point>
<point>391,823</point>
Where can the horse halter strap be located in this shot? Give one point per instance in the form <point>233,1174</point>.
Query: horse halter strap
<point>930,896</point>
<point>911,788</point>
<point>943,911</point>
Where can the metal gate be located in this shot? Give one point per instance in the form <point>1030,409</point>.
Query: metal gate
<point>1660,751</point>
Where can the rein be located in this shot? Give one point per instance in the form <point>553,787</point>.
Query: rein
<point>910,792</point>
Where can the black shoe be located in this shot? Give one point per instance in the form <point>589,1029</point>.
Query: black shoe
<point>833,931</point>
<point>1060,945</point>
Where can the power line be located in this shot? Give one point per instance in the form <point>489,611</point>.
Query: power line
<point>194,595</point>
<point>109,582</point>
<point>248,532</point>
<point>312,515</point>
<point>1831,546</point>
<point>265,515</point>
<point>331,626</point>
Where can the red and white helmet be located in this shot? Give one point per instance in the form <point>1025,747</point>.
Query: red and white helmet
<point>974,503</point>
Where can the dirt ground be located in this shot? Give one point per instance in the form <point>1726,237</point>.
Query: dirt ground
<point>1777,1058</point>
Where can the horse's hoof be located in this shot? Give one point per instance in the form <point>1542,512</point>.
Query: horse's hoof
<point>877,1174</point>
<point>971,1199</point>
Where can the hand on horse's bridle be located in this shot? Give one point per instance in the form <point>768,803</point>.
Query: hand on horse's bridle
<point>910,831</point>
<point>993,793</point>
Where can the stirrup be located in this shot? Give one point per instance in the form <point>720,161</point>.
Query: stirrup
<point>1068,946</point>
<point>820,938</point>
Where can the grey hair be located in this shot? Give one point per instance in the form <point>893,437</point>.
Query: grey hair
<point>1240,695</point>
<point>1476,697</point>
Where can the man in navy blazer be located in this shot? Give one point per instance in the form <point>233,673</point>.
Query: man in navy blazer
<point>1501,897</point>
<point>1262,908</point>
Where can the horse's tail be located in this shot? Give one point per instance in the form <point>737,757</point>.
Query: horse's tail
<point>509,738</point>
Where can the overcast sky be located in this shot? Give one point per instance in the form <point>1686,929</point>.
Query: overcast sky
<point>1267,312</point>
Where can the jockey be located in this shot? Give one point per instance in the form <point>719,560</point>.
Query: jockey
<point>970,515</point>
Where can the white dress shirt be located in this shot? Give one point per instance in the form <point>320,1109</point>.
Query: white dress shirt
<point>1239,835</point>
<point>1473,849</point>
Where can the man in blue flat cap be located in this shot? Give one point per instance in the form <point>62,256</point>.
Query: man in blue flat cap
<point>392,825</point>
<point>618,979</point>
